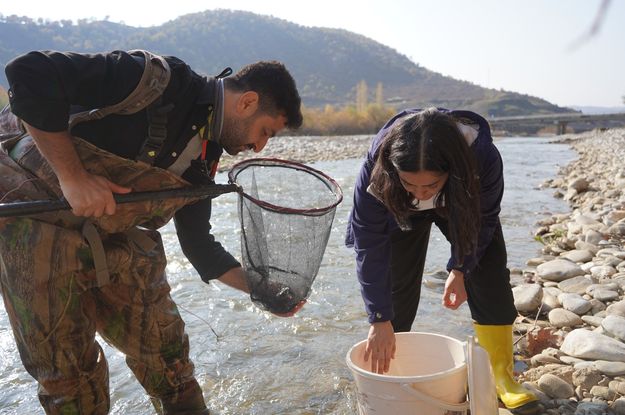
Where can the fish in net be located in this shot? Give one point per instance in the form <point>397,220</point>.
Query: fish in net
<point>286,211</point>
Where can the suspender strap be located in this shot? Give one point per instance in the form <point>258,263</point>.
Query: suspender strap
<point>154,80</point>
<point>90,233</point>
<point>157,131</point>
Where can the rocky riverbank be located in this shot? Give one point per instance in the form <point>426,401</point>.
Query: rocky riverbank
<point>571,323</point>
<point>307,149</point>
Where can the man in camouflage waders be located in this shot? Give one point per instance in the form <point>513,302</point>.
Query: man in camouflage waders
<point>101,268</point>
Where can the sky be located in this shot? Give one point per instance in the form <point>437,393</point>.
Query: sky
<point>538,47</point>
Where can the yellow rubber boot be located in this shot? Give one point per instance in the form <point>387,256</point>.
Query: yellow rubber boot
<point>497,341</point>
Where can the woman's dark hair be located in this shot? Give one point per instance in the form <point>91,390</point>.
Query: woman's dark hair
<point>430,140</point>
<point>275,86</point>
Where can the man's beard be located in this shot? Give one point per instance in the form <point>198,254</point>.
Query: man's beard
<point>234,135</point>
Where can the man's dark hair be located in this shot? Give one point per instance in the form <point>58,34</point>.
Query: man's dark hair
<point>275,87</point>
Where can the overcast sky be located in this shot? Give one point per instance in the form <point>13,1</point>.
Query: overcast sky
<point>536,47</point>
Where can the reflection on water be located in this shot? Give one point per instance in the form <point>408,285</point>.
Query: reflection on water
<point>251,362</point>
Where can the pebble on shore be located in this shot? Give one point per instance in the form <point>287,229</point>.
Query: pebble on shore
<point>571,324</point>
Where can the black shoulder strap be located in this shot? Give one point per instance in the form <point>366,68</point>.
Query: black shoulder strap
<point>157,131</point>
<point>154,80</point>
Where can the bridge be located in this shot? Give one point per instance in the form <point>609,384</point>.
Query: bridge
<point>560,120</point>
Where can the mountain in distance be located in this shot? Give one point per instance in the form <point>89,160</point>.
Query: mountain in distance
<point>327,64</point>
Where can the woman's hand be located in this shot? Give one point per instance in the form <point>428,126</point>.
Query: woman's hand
<point>455,293</point>
<point>380,346</point>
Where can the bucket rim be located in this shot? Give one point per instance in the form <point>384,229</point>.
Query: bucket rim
<point>403,379</point>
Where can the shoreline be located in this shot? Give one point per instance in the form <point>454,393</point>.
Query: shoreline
<point>571,326</point>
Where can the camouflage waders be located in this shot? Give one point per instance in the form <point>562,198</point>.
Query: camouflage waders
<point>63,278</point>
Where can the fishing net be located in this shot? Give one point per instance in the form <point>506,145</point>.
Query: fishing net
<point>286,211</point>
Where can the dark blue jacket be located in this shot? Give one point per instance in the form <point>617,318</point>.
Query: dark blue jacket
<point>371,224</point>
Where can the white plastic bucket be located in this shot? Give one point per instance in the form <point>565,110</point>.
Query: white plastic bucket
<point>427,377</point>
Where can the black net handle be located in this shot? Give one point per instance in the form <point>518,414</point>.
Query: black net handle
<point>42,206</point>
<point>330,183</point>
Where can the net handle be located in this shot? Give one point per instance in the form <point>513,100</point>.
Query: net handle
<point>14,209</point>
<point>329,182</point>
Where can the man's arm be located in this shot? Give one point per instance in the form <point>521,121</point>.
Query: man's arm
<point>88,195</point>
<point>235,278</point>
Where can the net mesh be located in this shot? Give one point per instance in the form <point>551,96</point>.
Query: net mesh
<point>286,211</point>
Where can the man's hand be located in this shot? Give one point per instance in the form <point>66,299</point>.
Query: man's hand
<point>90,195</point>
<point>87,194</point>
<point>236,278</point>
<point>380,346</point>
<point>455,293</point>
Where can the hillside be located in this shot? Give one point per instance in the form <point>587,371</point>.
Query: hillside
<point>326,63</point>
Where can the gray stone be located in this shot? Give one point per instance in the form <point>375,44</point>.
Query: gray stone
<point>614,216</point>
<point>606,286</point>
<point>558,270</point>
<point>575,285</point>
<point>605,295</point>
<point>580,185</point>
<point>591,408</point>
<point>618,406</point>
<point>587,246</point>
<point>618,229</point>
<point>593,237</point>
<point>617,386</point>
<point>602,392</point>
<point>617,309</point>
<point>574,303</point>
<point>602,271</point>
<point>527,297</point>
<point>592,320</point>
<point>615,326</point>
<point>587,344</point>
<point>597,306</point>
<point>541,359</point>
<point>583,364</point>
<point>578,255</point>
<point>555,387</point>
<point>570,360</point>
<point>610,368</point>
<point>586,378</point>
<point>611,261</point>
<point>560,317</point>
<point>549,302</point>
<point>532,262</point>
<point>607,252</point>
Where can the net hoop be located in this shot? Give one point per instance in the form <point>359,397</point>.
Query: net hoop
<point>329,182</point>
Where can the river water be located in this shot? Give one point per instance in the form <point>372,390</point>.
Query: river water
<point>251,362</point>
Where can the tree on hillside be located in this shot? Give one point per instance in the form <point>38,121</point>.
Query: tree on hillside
<point>361,96</point>
<point>379,95</point>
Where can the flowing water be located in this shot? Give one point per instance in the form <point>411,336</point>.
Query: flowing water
<point>252,362</point>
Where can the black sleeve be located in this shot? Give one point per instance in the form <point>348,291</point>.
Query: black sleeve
<point>43,85</point>
<point>208,256</point>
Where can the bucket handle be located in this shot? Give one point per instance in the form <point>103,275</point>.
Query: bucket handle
<point>454,407</point>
